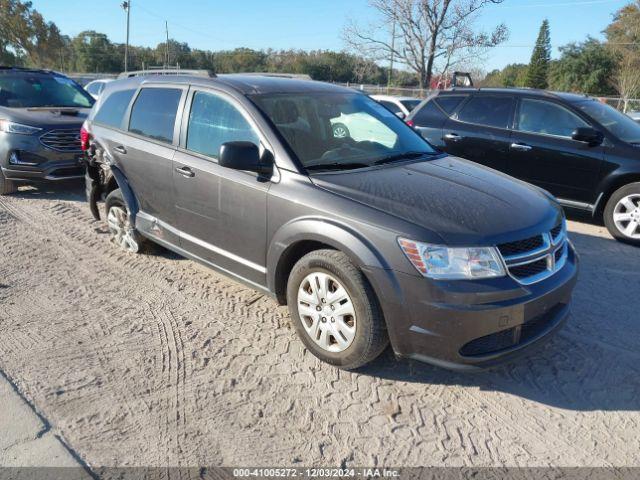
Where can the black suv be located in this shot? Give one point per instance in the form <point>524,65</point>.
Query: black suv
<point>41,113</point>
<point>584,152</point>
<point>369,237</point>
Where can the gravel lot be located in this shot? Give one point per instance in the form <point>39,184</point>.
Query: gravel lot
<point>155,361</point>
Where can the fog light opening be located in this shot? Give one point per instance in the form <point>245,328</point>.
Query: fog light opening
<point>14,159</point>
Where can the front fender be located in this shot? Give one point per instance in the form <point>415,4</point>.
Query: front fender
<point>327,231</point>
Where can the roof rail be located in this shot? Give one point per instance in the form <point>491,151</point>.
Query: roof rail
<point>166,71</point>
<point>298,76</point>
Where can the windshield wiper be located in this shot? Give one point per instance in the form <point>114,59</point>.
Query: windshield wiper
<point>402,156</point>
<point>337,166</point>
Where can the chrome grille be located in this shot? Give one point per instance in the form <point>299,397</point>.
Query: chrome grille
<point>63,140</point>
<point>533,259</point>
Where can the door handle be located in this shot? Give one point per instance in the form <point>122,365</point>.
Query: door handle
<point>120,149</point>
<point>185,172</point>
<point>521,147</point>
<point>454,137</point>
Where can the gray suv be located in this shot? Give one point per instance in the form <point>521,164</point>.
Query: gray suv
<point>41,113</point>
<point>370,238</point>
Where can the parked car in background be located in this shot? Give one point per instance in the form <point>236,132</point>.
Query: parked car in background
<point>41,113</point>
<point>635,116</point>
<point>95,87</point>
<point>401,106</point>
<point>366,240</point>
<point>584,152</point>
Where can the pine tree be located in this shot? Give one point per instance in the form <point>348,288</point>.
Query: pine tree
<point>537,75</point>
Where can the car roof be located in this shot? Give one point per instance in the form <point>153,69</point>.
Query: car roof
<point>246,84</point>
<point>394,98</point>
<point>9,69</point>
<point>532,92</point>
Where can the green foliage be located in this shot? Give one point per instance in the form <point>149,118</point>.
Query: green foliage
<point>585,67</point>
<point>25,37</point>
<point>513,75</point>
<point>539,66</point>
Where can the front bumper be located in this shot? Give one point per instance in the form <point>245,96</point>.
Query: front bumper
<point>468,325</point>
<point>37,162</point>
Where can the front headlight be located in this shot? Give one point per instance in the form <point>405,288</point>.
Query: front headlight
<point>13,127</point>
<point>444,263</point>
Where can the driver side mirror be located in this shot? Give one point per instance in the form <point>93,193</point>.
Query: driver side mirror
<point>243,156</point>
<point>401,115</point>
<point>588,135</point>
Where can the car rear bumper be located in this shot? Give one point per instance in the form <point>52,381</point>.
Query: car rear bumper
<point>470,325</point>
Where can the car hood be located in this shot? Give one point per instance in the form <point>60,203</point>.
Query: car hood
<point>46,118</point>
<point>460,201</point>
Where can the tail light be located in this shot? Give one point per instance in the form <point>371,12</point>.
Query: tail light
<point>85,137</point>
<point>410,123</point>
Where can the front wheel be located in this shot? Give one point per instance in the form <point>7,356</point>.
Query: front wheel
<point>622,214</point>
<point>123,234</point>
<point>335,311</point>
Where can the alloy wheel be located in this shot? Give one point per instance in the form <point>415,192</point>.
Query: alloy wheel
<point>626,216</point>
<point>120,228</point>
<point>327,312</point>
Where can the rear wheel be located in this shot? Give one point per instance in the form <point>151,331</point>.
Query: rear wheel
<point>340,130</point>
<point>7,186</point>
<point>622,214</point>
<point>123,234</point>
<point>335,311</point>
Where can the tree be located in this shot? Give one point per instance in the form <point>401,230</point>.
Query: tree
<point>584,68</point>
<point>623,40</point>
<point>513,75</point>
<point>429,35</point>
<point>537,75</point>
<point>26,37</point>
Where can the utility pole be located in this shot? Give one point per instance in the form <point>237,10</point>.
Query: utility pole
<point>393,47</point>
<point>127,7</point>
<point>166,62</point>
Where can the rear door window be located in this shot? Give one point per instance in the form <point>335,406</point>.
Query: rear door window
<point>112,110</point>
<point>214,121</point>
<point>154,113</point>
<point>548,118</point>
<point>490,111</point>
<point>449,103</point>
<point>429,115</point>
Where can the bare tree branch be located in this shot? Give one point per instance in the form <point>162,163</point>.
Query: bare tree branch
<point>431,35</point>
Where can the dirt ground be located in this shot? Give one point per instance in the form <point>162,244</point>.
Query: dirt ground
<point>155,361</point>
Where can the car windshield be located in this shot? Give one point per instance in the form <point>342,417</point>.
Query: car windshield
<point>410,104</point>
<point>33,90</point>
<point>616,122</point>
<point>340,131</point>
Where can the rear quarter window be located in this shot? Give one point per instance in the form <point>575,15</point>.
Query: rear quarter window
<point>490,111</point>
<point>112,110</point>
<point>154,113</point>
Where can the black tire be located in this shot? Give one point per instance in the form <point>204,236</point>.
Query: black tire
<point>138,243</point>
<point>370,337</point>
<point>609,210</point>
<point>7,186</point>
<point>340,130</point>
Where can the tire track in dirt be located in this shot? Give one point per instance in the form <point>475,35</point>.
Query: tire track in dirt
<point>240,367</point>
